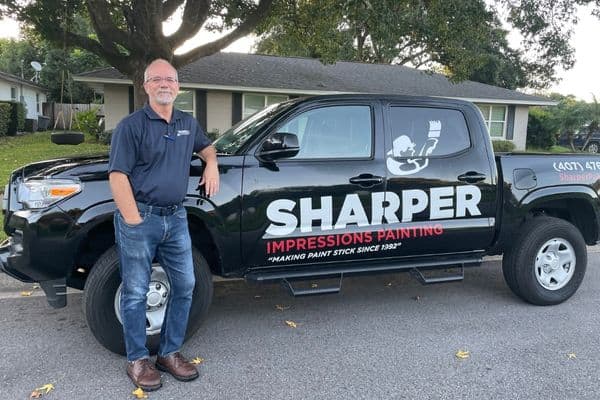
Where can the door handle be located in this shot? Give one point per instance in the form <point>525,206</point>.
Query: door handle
<point>366,180</point>
<point>471,177</point>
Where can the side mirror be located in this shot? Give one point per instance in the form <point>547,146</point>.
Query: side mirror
<point>279,145</point>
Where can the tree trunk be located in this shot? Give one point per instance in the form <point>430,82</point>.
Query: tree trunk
<point>139,94</point>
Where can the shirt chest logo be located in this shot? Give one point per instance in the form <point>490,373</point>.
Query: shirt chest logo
<point>183,132</point>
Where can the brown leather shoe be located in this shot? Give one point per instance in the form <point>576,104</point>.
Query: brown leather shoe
<point>143,374</point>
<point>178,366</point>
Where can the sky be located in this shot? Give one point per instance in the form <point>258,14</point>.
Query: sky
<point>582,80</point>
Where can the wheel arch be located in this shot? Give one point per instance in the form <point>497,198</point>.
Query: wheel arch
<point>578,205</point>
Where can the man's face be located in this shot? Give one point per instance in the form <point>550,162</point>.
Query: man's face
<point>161,84</point>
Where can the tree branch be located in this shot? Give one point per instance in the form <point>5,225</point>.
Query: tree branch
<point>243,29</point>
<point>169,7</point>
<point>194,15</point>
<point>107,31</point>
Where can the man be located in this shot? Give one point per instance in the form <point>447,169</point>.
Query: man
<point>149,169</point>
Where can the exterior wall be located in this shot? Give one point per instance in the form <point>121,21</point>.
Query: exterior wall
<point>5,90</point>
<point>116,104</point>
<point>29,98</point>
<point>218,111</point>
<point>25,94</point>
<point>520,130</point>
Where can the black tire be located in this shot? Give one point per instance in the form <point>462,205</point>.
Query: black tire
<point>67,137</point>
<point>99,296</point>
<point>518,264</point>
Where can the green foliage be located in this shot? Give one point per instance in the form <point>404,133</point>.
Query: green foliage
<point>5,109</point>
<point>467,39</point>
<point>542,128</point>
<point>16,121</point>
<point>87,122</point>
<point>16,56</point>
<point>503,146</point>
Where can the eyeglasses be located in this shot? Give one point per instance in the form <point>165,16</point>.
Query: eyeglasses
<point>157,79</point>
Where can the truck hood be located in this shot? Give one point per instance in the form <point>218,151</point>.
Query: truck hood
<point>84,168</point>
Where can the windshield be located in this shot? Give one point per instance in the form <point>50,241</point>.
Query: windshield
<point>235,137</point>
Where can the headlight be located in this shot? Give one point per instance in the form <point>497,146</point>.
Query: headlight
<point>41,193</point>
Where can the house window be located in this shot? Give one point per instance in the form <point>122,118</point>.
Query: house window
<point>185,101</point>
<point>495,119</point>
<point>13,94</point>
<point>255,102</point>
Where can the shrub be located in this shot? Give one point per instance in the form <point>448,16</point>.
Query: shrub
<point>87,122</point>
<point>541,129</point>
<point>4,118</point>
<point>105,137</point>
<point>501,146</point>
<point>213,135</point>
<point>17,115</point>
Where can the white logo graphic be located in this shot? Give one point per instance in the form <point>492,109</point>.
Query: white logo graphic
<point>404,148</point>
<point>184,132</point>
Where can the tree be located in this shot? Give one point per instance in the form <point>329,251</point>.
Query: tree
<point>129,34</point>
<point>16,56</point>
<point>465,37</point>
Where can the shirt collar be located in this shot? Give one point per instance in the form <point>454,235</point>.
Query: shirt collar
<point>153,115</point>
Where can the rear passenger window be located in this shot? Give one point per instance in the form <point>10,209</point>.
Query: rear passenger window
<point>332,132</point>
<point>425,132</point>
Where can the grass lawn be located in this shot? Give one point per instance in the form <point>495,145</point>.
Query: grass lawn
<point>553,149</point>
<point>17,151</point>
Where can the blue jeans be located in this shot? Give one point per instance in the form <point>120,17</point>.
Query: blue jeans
<point>165,238</point>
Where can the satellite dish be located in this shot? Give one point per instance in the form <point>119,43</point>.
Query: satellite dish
<point>36,66</point>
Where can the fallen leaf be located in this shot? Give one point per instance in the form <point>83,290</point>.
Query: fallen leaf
<point>291,324</point>
<point>462,354</point>
<point>281,307</point>
<point>35,395</point>
<point>25,293</point>
<point>47,388</point>
<point>139,394</point>
<point>197,360</point>
<point>571,356</point>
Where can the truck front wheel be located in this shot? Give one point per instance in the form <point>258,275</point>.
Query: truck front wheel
<point>547,262</point>
<point>102,293</point>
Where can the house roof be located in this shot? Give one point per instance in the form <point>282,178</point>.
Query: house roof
<point>15,79</point>
<point>296,75</point>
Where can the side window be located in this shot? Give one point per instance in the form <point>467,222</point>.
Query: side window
<point>332,132</point>
<point>422,132</point>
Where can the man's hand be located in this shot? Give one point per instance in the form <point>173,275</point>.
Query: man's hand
<point>210,177</point>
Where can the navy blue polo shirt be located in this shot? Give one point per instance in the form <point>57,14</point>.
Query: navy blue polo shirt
<point>156,154</point>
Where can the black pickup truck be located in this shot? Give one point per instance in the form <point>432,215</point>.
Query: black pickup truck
<point>322,187</point>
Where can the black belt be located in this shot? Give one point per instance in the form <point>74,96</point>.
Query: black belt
<point>163,211</point>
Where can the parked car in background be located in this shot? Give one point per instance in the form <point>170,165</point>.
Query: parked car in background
<point>593,146</point>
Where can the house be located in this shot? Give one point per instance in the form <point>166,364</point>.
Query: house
<point>14,88</point>
<point>221,89</point>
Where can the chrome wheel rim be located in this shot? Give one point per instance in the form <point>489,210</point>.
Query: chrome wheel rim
<point>555,264</point>
<point>593,147</point>
<point>156,300</point>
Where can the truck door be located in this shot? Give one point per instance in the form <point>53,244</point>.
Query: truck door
<point>316,206</point>
<point>441,185</point>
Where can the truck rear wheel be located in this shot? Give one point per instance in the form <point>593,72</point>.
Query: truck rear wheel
<point>101,301</point>
<point>547,262</point>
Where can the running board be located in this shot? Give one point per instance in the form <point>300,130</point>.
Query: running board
<point>314,289</point>
<point>329,270</point>
<point>433,278</point>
